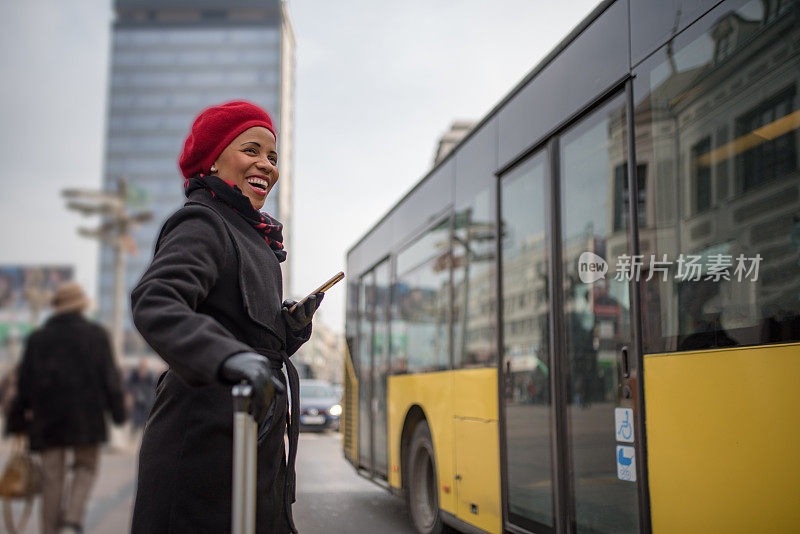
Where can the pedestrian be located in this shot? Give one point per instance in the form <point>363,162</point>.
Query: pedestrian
<point>67,383</point>
<point>210,305</point>
<point>140,386</point>
<point>8,390</point>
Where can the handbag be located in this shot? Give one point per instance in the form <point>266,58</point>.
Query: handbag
<point>21,479</point>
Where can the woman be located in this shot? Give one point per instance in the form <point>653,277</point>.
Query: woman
<point>210,305</point>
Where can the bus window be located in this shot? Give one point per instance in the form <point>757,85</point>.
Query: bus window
<point>420,298</point>
<point>717,122</point>
<point>474,286</point>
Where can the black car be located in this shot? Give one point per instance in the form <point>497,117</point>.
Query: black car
<point>320,406</point>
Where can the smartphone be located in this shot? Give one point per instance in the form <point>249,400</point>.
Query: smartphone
<point>321,289</point>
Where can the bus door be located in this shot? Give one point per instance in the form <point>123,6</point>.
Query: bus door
<point>366,297</point>
<point>373,358</point>
<point>380,367</point>
<point>569,438</point>
<point>526,363</point>
<point>594,341</point>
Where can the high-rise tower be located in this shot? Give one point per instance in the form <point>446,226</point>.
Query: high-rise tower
<point>170,59</point>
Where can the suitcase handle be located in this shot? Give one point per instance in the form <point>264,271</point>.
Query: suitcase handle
<point>243,520</point>
<point>242,395</point>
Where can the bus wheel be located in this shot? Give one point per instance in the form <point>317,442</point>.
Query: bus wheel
<point>423,494</point>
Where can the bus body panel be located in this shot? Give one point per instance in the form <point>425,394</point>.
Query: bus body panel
<point>478,470</point>
<point>465,438</point>
<point>732,466</point>
<point>477,447</point>
<point>349,422</point>
<point>475,393</point>
<point>433,392</point>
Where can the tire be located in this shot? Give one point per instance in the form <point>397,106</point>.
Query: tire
<point>423,485</point>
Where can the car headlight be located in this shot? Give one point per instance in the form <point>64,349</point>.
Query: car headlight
<point>336,409</point>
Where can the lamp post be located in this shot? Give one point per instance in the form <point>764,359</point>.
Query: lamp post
<point>115,230</point>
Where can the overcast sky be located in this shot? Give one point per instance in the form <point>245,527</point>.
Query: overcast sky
<point>377,83</point>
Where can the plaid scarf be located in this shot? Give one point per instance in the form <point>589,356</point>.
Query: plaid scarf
<point>231,195</point>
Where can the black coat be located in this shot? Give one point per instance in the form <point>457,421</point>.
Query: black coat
<point>67,383</point>
<point>212,290</point>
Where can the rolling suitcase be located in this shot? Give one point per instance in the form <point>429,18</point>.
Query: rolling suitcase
<point>243,520</point>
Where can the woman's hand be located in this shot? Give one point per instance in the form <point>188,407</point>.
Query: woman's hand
<point>255,370</point>
<point>301,316</point>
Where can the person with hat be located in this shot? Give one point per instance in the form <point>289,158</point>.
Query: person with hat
<point>211,305</point>
<point>67,383</point>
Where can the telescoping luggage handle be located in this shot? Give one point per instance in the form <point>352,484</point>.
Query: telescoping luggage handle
<point>244,462</point>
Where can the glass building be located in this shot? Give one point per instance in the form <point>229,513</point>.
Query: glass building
<point>170,59</point>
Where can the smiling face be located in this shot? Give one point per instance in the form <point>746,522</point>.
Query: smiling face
<point>250,162</point>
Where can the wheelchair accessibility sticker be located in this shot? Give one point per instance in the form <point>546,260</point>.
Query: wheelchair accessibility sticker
<point>626,463</point>
<point>623,419</point>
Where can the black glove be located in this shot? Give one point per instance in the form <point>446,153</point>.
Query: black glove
<point>301,316</point>
<point>255,370</point>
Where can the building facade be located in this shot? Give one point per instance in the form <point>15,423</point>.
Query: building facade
<point>171,59</point>
<point>448,141</point>
<point>321,357</point>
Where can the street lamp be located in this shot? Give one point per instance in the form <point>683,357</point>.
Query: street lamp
<point>115,230</point>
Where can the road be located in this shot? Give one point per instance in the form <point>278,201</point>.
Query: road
<point>333,499</point>
<point>109,509</point>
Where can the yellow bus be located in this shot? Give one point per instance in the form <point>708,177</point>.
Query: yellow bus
<point>586,318</point>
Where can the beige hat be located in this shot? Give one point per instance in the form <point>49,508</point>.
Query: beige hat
<point>69,297</point>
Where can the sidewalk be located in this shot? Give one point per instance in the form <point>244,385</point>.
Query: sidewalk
<point>111,504</point>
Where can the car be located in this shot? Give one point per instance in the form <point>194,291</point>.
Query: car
<point>320,406</point>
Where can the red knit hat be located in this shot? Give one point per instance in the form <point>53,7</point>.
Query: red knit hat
<point>214,129</point>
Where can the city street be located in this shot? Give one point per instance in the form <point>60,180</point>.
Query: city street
<point>110,508</point>
<point>331,498</point>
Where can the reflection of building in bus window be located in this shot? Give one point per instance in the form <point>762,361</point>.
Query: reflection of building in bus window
<point>718,122</point>
<point>583,360</point>
<point>474,293</point>
<point>422,296</point>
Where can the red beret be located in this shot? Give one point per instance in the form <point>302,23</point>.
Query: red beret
<point>214,129</point>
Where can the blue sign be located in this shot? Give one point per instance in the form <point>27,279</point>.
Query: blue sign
<point>626,463</point>
<point>623,419</point>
